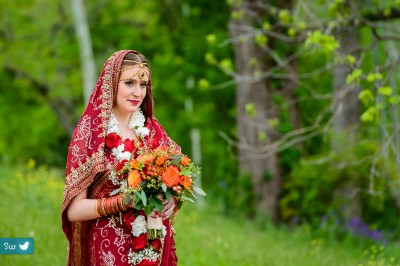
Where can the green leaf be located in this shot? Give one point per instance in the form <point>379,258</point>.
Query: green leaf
<point>324,42</point>
<point>148,209</point>
<point>158,204</point>
<point>350,59</point>
<point>127,199</point>
<point>261,39</point>
<point>250,110</point>
<point>138,205</point>
<point>164,187</point>
<point>301,25</point>
<point>291,32</point>
<point>285,17</point>
<point>354,76</point>
<point>194,195</point>
<point>180,203</point>
<point>273,122</point>
<point>394,99</point>
<point>167,194</point>
<point>199,191</point>
<point>226,65</point>
<point>374,76</point>
<point>204,84</point>
<point>385,90</point>
<point>266,25</point>
<point>370,115</point>
<point>187,198</point>
<point>210,59</point>
<point>176,159</point>
<point>143,197</point>
<point>114,192</point>
<point>211,39</point>
<point>366,97</point>
<point>262,136</point>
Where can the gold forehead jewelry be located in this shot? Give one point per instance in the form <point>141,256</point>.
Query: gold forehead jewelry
<point>141,73</point>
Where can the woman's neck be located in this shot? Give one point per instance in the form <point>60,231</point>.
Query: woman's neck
<point>123,119</point>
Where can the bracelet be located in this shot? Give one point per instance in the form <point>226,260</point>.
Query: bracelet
<point>114,207</point>
<point>121,203</point>
<point>110,206</point>
<point>102,209</point>
<point>107,206</point>
<point>96,207</point>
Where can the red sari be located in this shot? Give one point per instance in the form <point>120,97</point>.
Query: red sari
<point>100,241</point>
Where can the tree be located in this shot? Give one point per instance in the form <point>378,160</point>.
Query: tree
<point>304,29</point>
<point>88,67</point>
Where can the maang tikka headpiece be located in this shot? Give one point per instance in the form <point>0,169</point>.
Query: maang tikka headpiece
<point>141,73</point>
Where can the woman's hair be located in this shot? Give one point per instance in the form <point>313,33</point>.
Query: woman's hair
<point>135,58</point>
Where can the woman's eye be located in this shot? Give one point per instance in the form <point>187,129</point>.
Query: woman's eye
<point>143,84</point>
<point>129,83</point>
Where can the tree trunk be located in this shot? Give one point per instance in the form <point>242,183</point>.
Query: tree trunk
<point>263,169</point>
<point>346,118</point>
<point>88,65</point>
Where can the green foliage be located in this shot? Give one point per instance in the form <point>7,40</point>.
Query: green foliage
<point>32,195</point>
<point>31,200</point>
<point>250,110</point>
<point>310,192</point>
<point>323,42</point>
<point>370,115</point>
<point>39,205</point>
<point>385,91</point>
<point>188,46</point>
<point>366,97</point>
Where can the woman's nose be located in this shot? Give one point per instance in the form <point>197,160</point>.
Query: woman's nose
<point>136,90</point>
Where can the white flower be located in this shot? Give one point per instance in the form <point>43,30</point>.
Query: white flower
<point>137,120</point>
<point>124,186</point>
<point>114,178</point>
<point>147,253</point>
<point>139,226</point>
<point>164,230</point>
<point>136,123</point>
<point>142,132</point>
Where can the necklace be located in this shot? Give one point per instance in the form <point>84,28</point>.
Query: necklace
<point>121,148</point>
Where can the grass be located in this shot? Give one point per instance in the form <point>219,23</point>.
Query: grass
<point>30,207</point>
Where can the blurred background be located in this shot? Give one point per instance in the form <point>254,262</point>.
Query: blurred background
<point>290,107</point>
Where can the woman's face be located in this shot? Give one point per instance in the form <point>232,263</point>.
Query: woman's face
<point>132,87</point>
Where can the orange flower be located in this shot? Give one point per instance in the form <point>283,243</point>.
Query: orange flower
<point>134,179</point>
<point>164,148</point>
<point>134,164</point>
<point>186,182</point>
<point>171,176</point>
<point>185,160</point>
<point>150,159</point>
<point>146,158</point>
<point>160,160</point>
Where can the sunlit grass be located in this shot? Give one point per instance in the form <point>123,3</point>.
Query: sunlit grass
<point>30,207</point>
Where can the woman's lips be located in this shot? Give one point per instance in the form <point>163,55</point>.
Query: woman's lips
<point>134,102</point>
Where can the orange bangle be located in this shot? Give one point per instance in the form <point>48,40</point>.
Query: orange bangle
<point>121,203</point>
<point>96,207</point>
<point>102,208</point>
<point>113,205</point>
<point>107,206</point>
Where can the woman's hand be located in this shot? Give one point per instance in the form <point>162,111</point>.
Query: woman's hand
<point>168,208</point>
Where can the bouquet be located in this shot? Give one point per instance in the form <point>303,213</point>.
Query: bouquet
<point>155,176</point>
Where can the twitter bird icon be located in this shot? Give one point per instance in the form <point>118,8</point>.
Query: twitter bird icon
<point>24,246</point>
<point>12,245</point>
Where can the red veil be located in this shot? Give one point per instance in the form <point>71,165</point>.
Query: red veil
<point>86,159</point>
